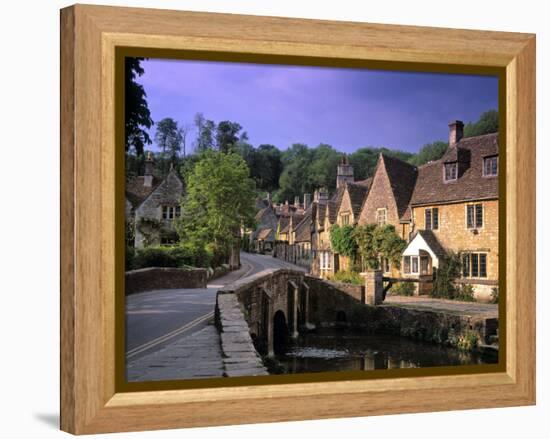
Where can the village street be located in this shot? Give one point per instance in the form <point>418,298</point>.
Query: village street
<point>159,321</point>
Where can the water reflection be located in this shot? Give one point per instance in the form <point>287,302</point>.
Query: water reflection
<point>328,350</point>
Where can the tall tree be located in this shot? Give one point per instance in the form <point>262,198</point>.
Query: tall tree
<point>227,135</point>
<point>168,136</point>
<point>205,133</point>
<point>219,201</point>
<point>136,112</point>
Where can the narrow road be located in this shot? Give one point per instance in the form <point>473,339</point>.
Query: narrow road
<point>155,319</point>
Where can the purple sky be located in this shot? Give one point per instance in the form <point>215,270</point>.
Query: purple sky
<point>346,108</point>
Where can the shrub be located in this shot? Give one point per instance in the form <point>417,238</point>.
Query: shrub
<point>403,289</point>
<point>494,295</point>
<point>343,241</point>
<point>444,283</point>
<point>464,292</point>
<point>129,256</point>
<point>348,277</point>
<point>177,256</point>
<point>467,341</point>
<point>155,257</point>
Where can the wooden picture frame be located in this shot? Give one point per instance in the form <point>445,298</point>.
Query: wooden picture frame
<point>91,402</point>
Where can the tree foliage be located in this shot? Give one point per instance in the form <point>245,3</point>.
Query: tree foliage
<point>137,116</point>
<point>487,123</point>
<point>219,200</point>
<point>429,152</point>
<point>342,240</point>
<point>375,241</point>
<point>448,272</point>
<point>169,137</point>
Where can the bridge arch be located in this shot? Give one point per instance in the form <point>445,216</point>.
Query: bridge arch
<point>280,332</point>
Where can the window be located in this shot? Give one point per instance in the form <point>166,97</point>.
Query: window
<point>451,171</point>
<point>345,219</point>
<point>414,260</point>
<point>325,260</point>
<point>171,212</point>
<point>474,216</point>
<point>407,264</point>
<point>168,240</point>
<point>424,264</point>
<point>431,218</point>
<point>490,166</point>
<point>474,265</point>
<point>381,216</point>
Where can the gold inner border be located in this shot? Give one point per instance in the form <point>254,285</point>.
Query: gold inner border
<point>121,385</point>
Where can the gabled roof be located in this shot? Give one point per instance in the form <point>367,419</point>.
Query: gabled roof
<point>334,204</point>
<point>136,192</point>
<point>321,213</point>
<point>431,188</point>
<point>357,193</point>
<point>428,242</point>
<point>303,229</point>
<point>284,222</point>
<point>266,235</point>
<point>402,176</point>
<point>432,242</point>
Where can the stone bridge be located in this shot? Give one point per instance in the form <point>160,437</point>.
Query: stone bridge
<point>258,314</point>
<point>277,303</point>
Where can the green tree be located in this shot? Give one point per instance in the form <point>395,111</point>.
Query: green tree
<point>375,241</point>
<point>364,160</point>
<point>342,240</point>
<point>228,134</point>
<point>219,201</point>
<point>169,137</point>
<point>137,116</point>
<point>429,152</point>
<point>266,167</point>
<point>205,133</point>
<point>487,123</point>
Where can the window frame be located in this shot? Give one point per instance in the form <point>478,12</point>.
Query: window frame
<point>485,160</point>
<point>434,218</point>
<point>477,270</point>
<point>378,212</point>
<point>478,216</point>
<point>455,167</point>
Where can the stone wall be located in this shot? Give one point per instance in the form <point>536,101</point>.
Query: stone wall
<point>163,278</point>
<point>453,234</point>
<point>240,356</point>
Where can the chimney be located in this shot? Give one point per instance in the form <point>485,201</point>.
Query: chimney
<point>323,196</point>
<point>296,201</point>
<point>344,173</point>
<point>149,167</point>
<point>307,201</point>
<point>456,131</point>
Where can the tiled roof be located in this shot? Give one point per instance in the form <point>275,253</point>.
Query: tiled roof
<point>357,194</point>
<point>284,222</point>
<point>266,235</point>
<point>136,192</point>
<point>303,229</point>
<point>432,242</point>
<point>321,213</point>
<point>334,204</point>
<point>470,184</point>
<point>402,176</point>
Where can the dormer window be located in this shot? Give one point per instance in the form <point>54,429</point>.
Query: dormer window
<point>490,166</point>
<point>451,171</point>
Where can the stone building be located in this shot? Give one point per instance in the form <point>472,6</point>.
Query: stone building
<point>152,204</point>
<point>455,203</point>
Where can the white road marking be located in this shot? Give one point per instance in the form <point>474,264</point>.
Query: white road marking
<point>139,349</point>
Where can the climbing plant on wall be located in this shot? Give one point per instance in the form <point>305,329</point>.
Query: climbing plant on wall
<point>375,241</point>
<point>342,240</point>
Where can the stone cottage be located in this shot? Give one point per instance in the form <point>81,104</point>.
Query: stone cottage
<point>152,204</point>
<point>454,206</point>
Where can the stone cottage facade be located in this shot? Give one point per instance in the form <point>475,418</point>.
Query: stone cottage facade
<point>152,205</point>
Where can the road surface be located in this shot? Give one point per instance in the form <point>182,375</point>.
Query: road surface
<point>155,319</point>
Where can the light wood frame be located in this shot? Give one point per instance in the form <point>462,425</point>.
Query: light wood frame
<point>90,34</point>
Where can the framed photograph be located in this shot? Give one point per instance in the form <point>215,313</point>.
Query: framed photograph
<point>268,219</point>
